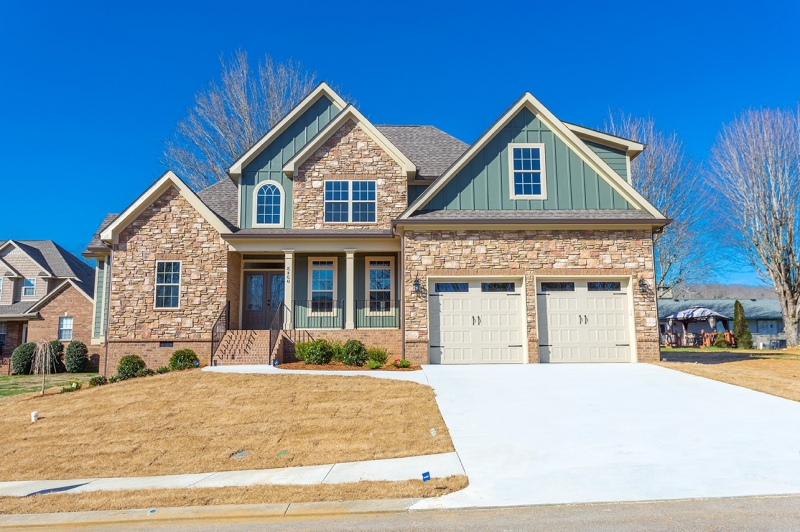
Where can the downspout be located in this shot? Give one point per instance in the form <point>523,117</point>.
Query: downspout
<point>109,270</point>
<point>402,292</point>
<point>655,289</point>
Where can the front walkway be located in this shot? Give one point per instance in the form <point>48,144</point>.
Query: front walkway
<point>393,469</point>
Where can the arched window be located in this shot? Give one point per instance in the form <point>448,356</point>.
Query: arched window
<point>269,204</point>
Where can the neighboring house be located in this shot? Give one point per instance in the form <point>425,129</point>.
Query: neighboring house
<point>530,245</point>
<point>45,293</point>
<point>764,318</point>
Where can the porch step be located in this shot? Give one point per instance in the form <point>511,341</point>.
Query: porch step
<point>243,347</point>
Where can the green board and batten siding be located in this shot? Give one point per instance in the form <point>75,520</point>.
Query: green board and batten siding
<point>268,165</point>
<point>616,159</point>
<point>100,290</point>
<point>484,184</point>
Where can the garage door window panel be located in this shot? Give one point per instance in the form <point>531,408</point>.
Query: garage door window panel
<point>450,287</point>
<point>558,287</point>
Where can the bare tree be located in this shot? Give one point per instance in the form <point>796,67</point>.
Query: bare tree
<point>230,116</point>
<point>756,167</point>
<point>668,179</point>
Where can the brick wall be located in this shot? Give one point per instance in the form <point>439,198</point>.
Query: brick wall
<point>528,254</point>
<point>349,154</point>
<point>153,354</point>
<point>13,337</point>
<point>169,229</point>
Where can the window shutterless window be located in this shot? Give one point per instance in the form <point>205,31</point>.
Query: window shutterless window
<point>2,333</point>
<point>350,201</point>
<point>322,281</point>
<point>380,288</point>
<point>527,171</point>
<point>450,287</point>
<point>29,287</point>
<point>269,205</point>
<point>168,284</point>
<point>65,328</point>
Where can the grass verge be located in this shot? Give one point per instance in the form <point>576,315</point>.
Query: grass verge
<point>19,384</point>
<point>775,375</point>
<point>169,498</point>
<point>194,421</point>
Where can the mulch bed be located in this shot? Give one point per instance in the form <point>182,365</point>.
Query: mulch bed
<point>338,366</point>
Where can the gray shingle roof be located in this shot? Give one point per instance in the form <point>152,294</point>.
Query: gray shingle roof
<point>222,198</point>
<point>96,243</point>
<point>59,262</point>
<point>17,309</point>
<point>758,309</point>
<point>543,216</point>
<point>432,150</point>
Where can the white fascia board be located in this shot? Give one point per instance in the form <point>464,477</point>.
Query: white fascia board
<point>235,170</point>
<point>631,147</point>
<point>110,234</point>
<point>559,129</point>
<point>349,113</point>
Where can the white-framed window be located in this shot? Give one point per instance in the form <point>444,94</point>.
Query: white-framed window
<point>322,275</point>
<point>65,328</point>
<point>380,285</point>
<point>168,284</point>
<point>527,171</point>
<point>350,201</point>
<point>1,288</point>
<point>29,287</point>
<point>268,205</point>
<point>3,330</point>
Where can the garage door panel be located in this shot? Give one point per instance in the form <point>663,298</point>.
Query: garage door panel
<point>477,325</point>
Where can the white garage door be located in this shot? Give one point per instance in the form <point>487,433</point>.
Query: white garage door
<point>583,321</point>
<point>476,322</point>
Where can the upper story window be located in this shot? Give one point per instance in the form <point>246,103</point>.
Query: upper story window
<point>269,205</point>
<point>527,171</point>
<point>29,287</point>
<point>65,328</point>
<point>350,201</point>
<point>168,284</point>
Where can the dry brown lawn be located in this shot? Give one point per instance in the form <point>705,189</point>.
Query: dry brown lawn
<point>193,421</point>
<point>170,498</point>
<point>773,375</point>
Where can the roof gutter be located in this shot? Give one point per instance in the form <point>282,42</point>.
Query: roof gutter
<point>655,222</point>
<point>311,234</point>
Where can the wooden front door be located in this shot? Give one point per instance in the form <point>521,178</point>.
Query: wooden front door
<point>263,296</point>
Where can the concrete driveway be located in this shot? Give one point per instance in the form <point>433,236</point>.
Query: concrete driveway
<point>547,433</point>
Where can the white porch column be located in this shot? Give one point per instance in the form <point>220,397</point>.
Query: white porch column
<point>288,288</point>
<point>350,289</point>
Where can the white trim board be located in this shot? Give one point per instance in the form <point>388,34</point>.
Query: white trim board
<point>349,113</point>
<point>235,170</point>
<point>110,234</point>
<point>562,132</point>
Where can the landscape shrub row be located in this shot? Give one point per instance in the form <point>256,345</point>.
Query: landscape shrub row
<point>351,353</point>
<point>74,361</point>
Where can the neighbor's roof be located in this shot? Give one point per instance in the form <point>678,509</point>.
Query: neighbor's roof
<point>17,309</point>
<point>432,150</point>
<point>754,309</point>
<point>96,244</point>
<point>627,216</point>
<point>58,262</point>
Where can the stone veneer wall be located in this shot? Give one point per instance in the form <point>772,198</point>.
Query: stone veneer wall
<point>348,154</point>
<point>528,254</point>
<point>169,229</point>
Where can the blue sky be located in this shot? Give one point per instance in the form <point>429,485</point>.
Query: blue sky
<point>90,90</point>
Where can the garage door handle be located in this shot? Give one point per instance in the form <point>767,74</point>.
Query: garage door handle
<point>580,319</point>
<point>585,319</point>
<point>479,320</point>
<point>473,320</point>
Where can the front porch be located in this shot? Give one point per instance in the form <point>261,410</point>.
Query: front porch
<point>301,296</point>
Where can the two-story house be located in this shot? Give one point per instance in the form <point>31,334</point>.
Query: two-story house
<point>530,245</point>
<point>46,293</point>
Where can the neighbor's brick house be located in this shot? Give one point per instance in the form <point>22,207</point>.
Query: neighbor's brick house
<point>45,293</point>
<point>530,245</point>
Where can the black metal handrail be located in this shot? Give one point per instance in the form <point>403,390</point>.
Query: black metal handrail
<point>374,314</point>
<point>219,329</point>
<point>275,328</point>
<point>318,314</point>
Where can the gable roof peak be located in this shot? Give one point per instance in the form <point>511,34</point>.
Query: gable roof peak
<point>323,89</point>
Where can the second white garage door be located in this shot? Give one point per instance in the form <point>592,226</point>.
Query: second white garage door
<point>476,322</point>
<point>583,321</point>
